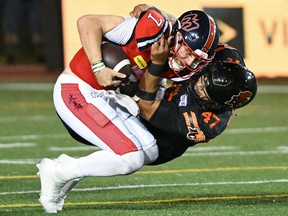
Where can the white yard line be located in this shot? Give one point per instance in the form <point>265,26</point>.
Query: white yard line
<point>77,148</point>
<point>33,137</point>
<point>257,130</point>
<point>235,153</point>
<point>262,89</point>
<point>195,184</point>
<point>190,153</point>
<point>20,161</point>
<point>28,118</point>
<point>26,86</point>
<point>16,145</point>
<point>212,148</point>
<point>228,131</point>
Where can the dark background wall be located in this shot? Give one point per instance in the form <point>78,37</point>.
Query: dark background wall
<point>50,53</point>
<point>53,46</point>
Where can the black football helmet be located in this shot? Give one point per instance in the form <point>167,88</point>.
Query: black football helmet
<point>229,85</point>
<point>198,32</point>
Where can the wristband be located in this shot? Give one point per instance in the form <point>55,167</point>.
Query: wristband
<point>156,69</point>
<point>97,66</point>
<point>146,95</point>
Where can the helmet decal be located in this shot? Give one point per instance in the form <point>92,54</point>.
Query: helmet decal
<point>239,99</point>
<point>190,22</point>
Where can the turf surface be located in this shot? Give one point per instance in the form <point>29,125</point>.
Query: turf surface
<point>242,172</point>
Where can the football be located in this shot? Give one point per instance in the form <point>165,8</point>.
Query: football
<point>114,58</point>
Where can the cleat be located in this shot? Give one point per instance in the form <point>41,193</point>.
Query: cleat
<point>63,158</point>
<point>64,192</point>
<point>49,193</point>
<point>60,205</point>
<point>53,179</point>
<point>48,204</point>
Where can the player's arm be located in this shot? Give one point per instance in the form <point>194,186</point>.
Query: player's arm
<point>91,29</point>
<point>148,103</point>
<point>148,85</point>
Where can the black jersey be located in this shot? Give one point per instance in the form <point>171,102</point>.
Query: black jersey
<point>179,122</point>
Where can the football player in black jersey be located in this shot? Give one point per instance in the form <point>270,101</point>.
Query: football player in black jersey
<point>191,112</point>
<point>198,110</point>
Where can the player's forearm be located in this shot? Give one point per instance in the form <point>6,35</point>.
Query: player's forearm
<point>148,87</point>
<point>149,83</point>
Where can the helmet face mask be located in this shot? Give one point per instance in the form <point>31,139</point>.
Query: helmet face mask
<point>200,96</point>
<point>198,63</point>
<point>198,33</point>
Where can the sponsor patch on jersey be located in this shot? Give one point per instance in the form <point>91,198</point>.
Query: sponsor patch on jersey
<point>141,63</point>
<point>183,100</point>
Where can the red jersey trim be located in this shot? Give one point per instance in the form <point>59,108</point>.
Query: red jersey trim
<point>81,67</point>
<point>95,120</point>
<point>211,38</point>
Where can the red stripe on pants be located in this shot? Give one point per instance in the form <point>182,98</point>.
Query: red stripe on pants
<point>95,120</point>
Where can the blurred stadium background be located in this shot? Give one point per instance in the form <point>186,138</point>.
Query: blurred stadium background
<point>259,31</point>
<point>242,172</point>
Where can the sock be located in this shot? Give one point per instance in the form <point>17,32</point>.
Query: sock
<point>70,170</point>
<point>103,163</point>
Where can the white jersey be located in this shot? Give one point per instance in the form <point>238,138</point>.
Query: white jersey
<point>122,33</point>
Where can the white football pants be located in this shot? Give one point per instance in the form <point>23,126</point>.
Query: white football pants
<point>125,142</point>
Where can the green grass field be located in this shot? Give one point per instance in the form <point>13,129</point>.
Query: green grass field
<point>242,172</point>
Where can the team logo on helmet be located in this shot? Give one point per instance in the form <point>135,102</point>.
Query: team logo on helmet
<point>239,99</point>
<point>190,22</point>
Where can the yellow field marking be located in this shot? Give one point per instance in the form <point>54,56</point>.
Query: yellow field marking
<point>188,199</point>
<point>223,169</point>
<point>19,177</point>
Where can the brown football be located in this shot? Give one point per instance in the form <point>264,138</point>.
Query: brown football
<point>114,58</point>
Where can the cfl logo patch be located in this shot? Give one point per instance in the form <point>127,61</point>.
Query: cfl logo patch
<point>183,100</point>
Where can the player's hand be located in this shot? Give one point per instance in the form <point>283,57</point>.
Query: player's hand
<point>137,10</point>
<point>160,50</point>
<point>108,77</point>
